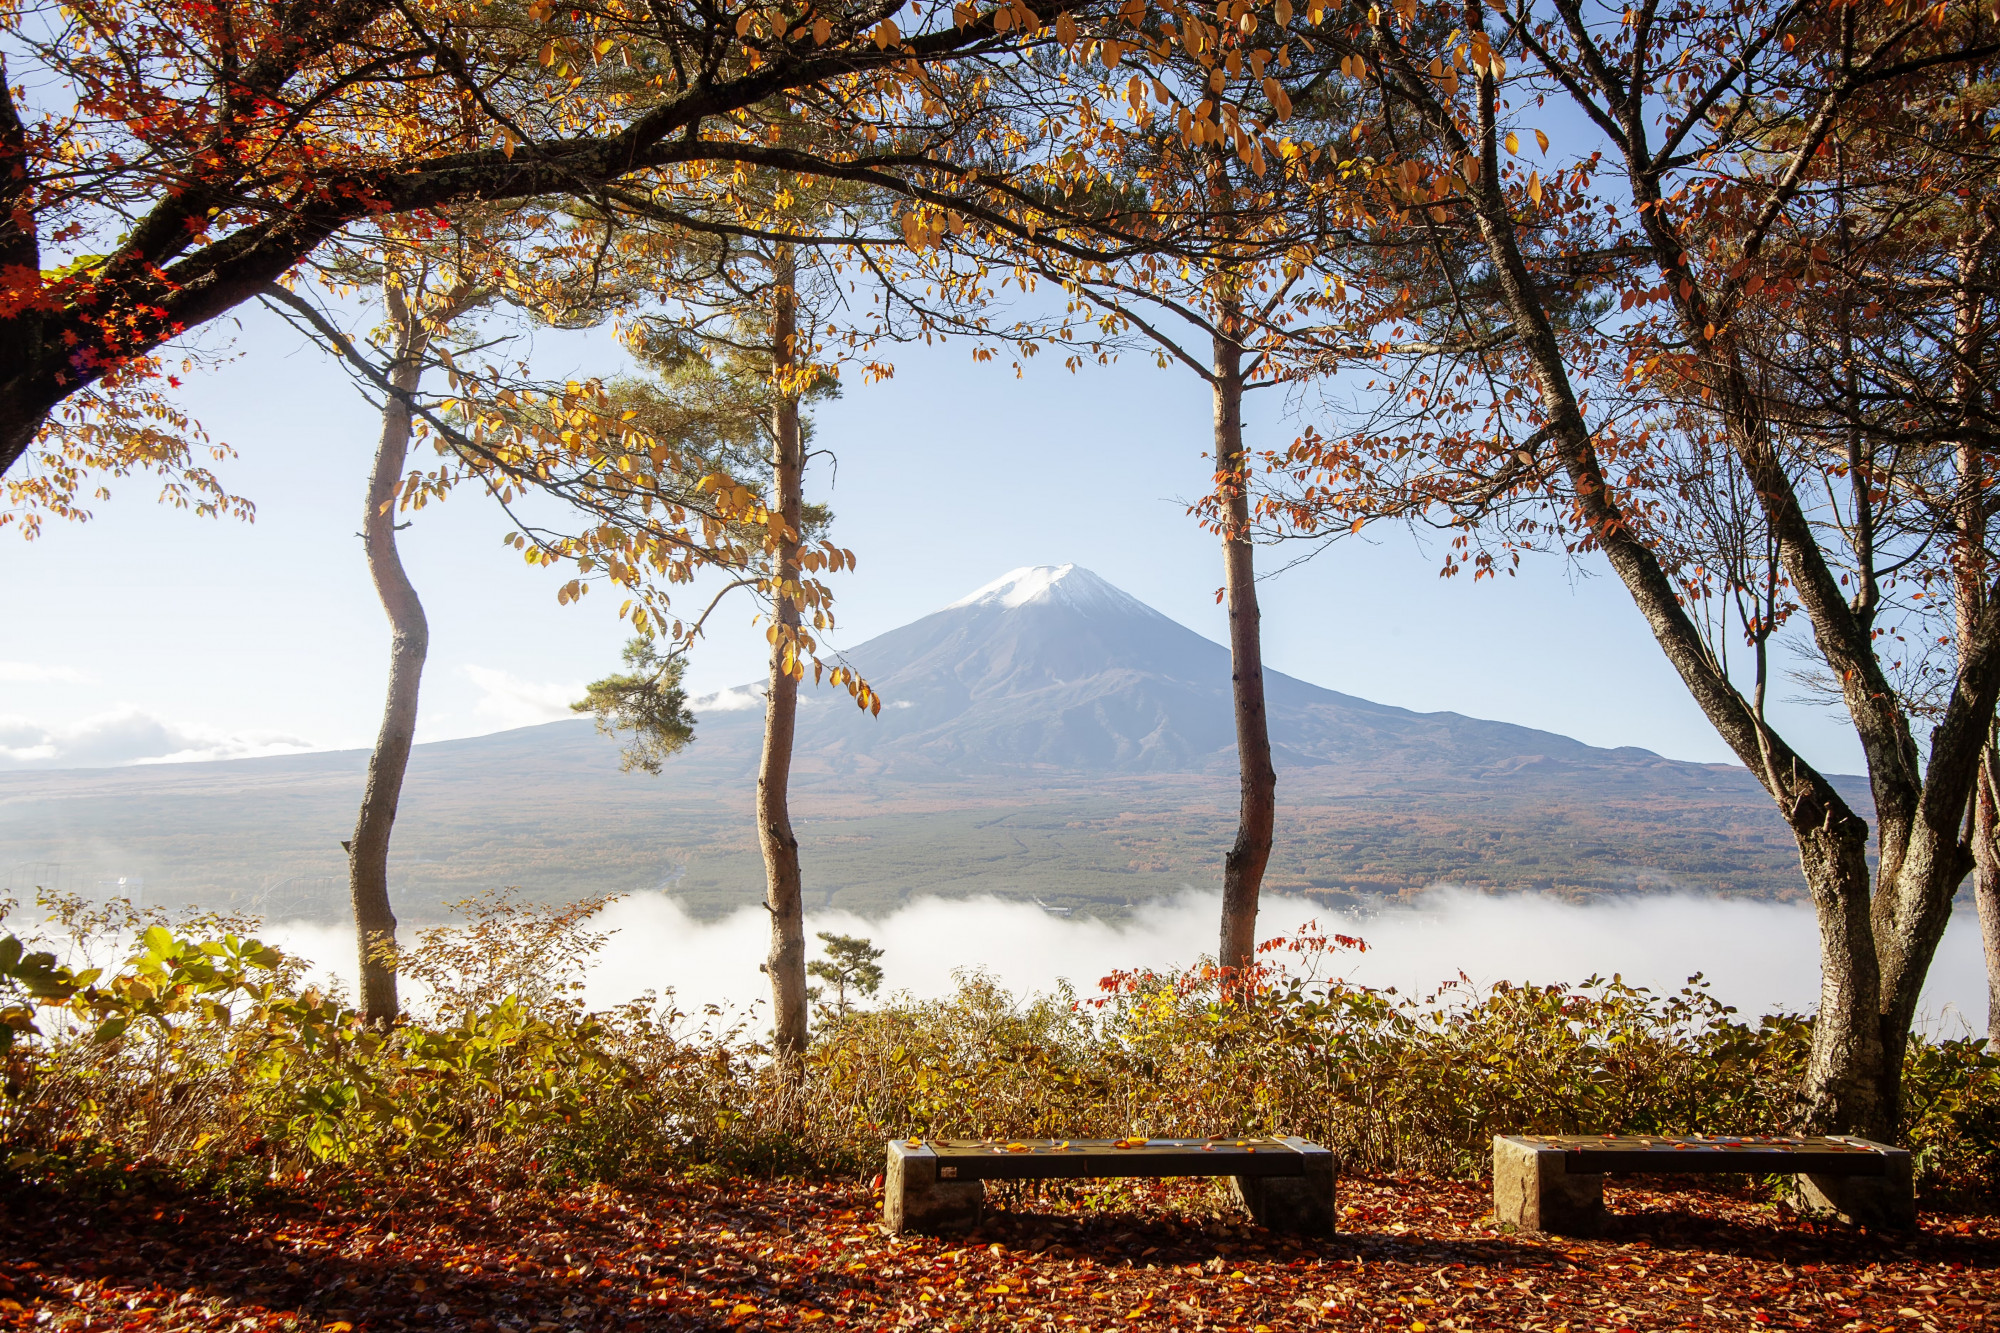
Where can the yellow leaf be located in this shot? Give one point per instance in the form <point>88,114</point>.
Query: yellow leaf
<point>1535,187</point>
<point>751,1309</point>
<point>1543,140</point>
<point>1513,142</point>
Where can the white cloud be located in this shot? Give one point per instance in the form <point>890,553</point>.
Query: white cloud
<point>1758,956</point>
<point>129,735</point>
<point>729,701</point>
<point>41,673</point>
<point>508,701</point>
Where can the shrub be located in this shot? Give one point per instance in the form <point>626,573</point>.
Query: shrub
<point>210,1057</point>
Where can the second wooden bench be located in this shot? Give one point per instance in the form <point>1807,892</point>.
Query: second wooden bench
<point>1555,1182</point>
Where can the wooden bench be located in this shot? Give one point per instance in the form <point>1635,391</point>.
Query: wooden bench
<point>939,1184</point>
<point>1555,1183</point>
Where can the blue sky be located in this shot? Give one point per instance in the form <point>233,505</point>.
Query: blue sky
<point>148,631</point>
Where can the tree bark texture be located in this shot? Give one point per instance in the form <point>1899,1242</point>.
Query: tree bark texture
<point>1970,569</point>
<point>409,644</point>
<point>1876,938</point>
<point>1243,865</point>
<point>1986,890</point>
<point>786,962</point>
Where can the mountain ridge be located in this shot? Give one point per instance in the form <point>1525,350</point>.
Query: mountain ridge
<point>1046,735</point>
<point>1065,641</point>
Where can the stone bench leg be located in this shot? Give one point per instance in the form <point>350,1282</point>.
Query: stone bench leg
<point>1301,1205</point>
<point>1533,1191</point>
<point>914,1199</point>
<point>1887,1202</point>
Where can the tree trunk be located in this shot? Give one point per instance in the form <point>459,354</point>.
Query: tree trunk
<point>1968,338</point>
<point>1846,1088</point>
<point>409,643</point>
<point>1243,867</point>
<point>786,962</point>
<point>1986,890</point>
<point>1875,951</point>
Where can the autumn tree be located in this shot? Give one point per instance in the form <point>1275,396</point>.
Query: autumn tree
<point>1224,157</point>
<point>1883,366</point>
<point>647,476</point>
<point>730,336</point>
<point>427,280</point>
<point>428,276</point>
<point>421,300</point>
<point>175,158</point>
<point>1725,222</point>
<point>1879,369</point>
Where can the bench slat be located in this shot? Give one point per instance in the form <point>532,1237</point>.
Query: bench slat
<point>1586,1155</point>
<point>1052,1159</point>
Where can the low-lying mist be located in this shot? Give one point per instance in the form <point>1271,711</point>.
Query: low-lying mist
<point>1758,956</point>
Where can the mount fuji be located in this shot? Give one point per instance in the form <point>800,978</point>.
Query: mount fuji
<point>1052,667</point>
<point>1047,736</point>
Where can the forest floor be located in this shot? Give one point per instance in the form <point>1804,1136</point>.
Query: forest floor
<point>462,1256</point>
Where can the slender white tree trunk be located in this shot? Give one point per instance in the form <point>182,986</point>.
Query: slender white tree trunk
<point>1243,865</point>
<point>786,962</point>
<point>409,643</point>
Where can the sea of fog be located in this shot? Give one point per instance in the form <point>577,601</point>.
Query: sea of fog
<point>1757,956</point>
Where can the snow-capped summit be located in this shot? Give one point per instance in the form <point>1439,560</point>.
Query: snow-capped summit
<point>1071,585</point>
<point>1050,665</point>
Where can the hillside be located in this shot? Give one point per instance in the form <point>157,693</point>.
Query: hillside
<point>1047,736</point>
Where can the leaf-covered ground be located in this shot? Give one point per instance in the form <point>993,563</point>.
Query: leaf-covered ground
<point>456,1255</point>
